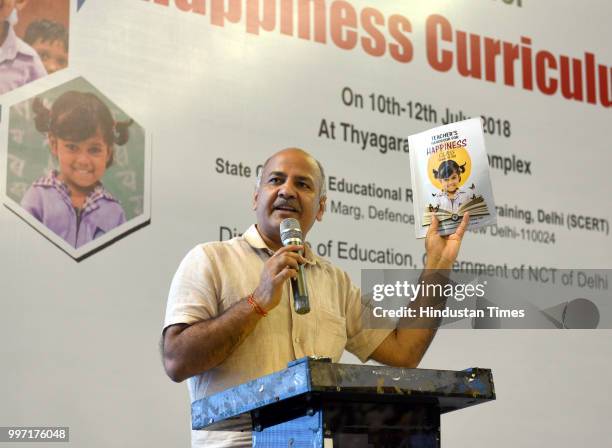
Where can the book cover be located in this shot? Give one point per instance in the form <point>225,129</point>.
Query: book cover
<point>450,176</point>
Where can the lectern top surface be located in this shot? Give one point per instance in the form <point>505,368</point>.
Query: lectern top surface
<point>445,389</point>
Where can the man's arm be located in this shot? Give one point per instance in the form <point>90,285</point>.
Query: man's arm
<point>192,349</point>
<point>405,347</point>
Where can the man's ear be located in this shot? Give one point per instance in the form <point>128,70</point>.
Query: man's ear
<point>322,205</point>
<point>19,4</point>
<point>255,196</point>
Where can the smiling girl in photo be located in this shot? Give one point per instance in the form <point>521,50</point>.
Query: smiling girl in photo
<point>71,201</point>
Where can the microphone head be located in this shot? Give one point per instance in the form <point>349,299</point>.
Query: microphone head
<point>290,232</point>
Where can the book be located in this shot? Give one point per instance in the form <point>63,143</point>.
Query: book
<point>450,176</point>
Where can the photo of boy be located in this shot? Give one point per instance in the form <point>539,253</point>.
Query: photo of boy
<point>50,40</point>
<point>71,200</point>
<point>19,63</point>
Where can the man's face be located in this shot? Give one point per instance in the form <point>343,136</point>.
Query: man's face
<point>52,54</point>
<point>451,184</point>
<point>290,188</point>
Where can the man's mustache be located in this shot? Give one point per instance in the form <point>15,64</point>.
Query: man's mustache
<point>287,204</point>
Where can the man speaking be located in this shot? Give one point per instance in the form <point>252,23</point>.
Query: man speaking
<point>230,316</point>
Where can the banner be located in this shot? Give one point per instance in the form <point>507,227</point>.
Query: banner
<point>199,94</point>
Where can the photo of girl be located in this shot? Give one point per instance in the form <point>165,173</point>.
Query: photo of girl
<point>452,196</point>
<point>71,200</point>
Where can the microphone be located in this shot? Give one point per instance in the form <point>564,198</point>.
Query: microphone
<point>291,233</point>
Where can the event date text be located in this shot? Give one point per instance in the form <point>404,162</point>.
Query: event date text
<point>420,111</point>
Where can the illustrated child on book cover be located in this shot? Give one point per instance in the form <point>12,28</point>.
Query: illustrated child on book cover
<point>452,196</point>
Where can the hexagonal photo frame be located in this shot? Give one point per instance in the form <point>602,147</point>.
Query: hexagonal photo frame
<point>34,41</point>
<point>77,167</point>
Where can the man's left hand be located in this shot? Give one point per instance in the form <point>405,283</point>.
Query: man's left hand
<point>443,250</point>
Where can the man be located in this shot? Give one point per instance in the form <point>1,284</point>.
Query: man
<point>229,318</point>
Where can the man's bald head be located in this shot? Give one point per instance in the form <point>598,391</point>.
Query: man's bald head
<point>320,174</point>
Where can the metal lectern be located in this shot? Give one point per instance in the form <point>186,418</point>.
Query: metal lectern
<point>315,403</point>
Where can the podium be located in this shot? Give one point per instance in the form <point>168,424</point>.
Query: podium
<point>316,403</point>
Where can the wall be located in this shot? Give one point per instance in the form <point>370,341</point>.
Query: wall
<point>80,338</point>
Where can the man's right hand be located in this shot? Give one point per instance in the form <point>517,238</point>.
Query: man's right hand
<point>281,266</point>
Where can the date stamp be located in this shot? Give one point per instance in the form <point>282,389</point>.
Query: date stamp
<point>34,434</point>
